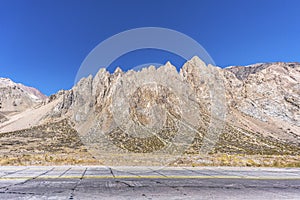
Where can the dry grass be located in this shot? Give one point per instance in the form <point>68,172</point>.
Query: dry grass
<point>45,159</point>
<point>51,144</point>
<point>239,160</point>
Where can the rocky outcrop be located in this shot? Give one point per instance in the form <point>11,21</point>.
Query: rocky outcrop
<point>266,92</point>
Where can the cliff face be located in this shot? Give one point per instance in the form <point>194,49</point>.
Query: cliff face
<point>237,109</point>
<point>266,92</point>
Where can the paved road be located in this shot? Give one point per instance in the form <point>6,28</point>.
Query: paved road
<point>98,182</point>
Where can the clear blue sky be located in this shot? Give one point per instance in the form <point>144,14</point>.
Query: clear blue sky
<point>43,42</point>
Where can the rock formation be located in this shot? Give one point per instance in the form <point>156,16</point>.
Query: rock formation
<point>252,109</point>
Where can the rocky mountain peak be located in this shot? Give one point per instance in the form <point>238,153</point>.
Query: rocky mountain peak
<point>118,71</point>
<point>16,97</point>
<point>32,92</point>
<point>168,68</point>
<point>4,82</point>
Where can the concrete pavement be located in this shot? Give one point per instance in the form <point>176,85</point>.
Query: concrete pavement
<point>100,182</point>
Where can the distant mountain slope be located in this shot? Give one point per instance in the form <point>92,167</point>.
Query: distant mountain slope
<point>16,97</point>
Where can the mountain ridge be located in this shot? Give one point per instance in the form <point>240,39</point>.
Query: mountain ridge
<point>261,115</point>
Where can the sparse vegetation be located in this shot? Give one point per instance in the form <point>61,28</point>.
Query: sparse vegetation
<point>52,143</point>
<point>59,144</point>
<point>241,160</point>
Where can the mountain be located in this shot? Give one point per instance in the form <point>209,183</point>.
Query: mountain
<point>234,110</point>
<point>16,98</point>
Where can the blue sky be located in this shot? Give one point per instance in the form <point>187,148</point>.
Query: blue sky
<point>44,42</point>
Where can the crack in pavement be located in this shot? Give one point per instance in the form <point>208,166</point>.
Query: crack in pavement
<point>209,174</point>
<point>127,172</point>
<point>65,172</point>
<point>125,183</point>
<point>22,193</point>
<point>26,181</point>
<point>159,173</point>
<point>10,173</point>
<point>77,184</point>
<point>111,171</point>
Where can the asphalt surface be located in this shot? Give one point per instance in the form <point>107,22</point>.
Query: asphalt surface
<point>99,182</point>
